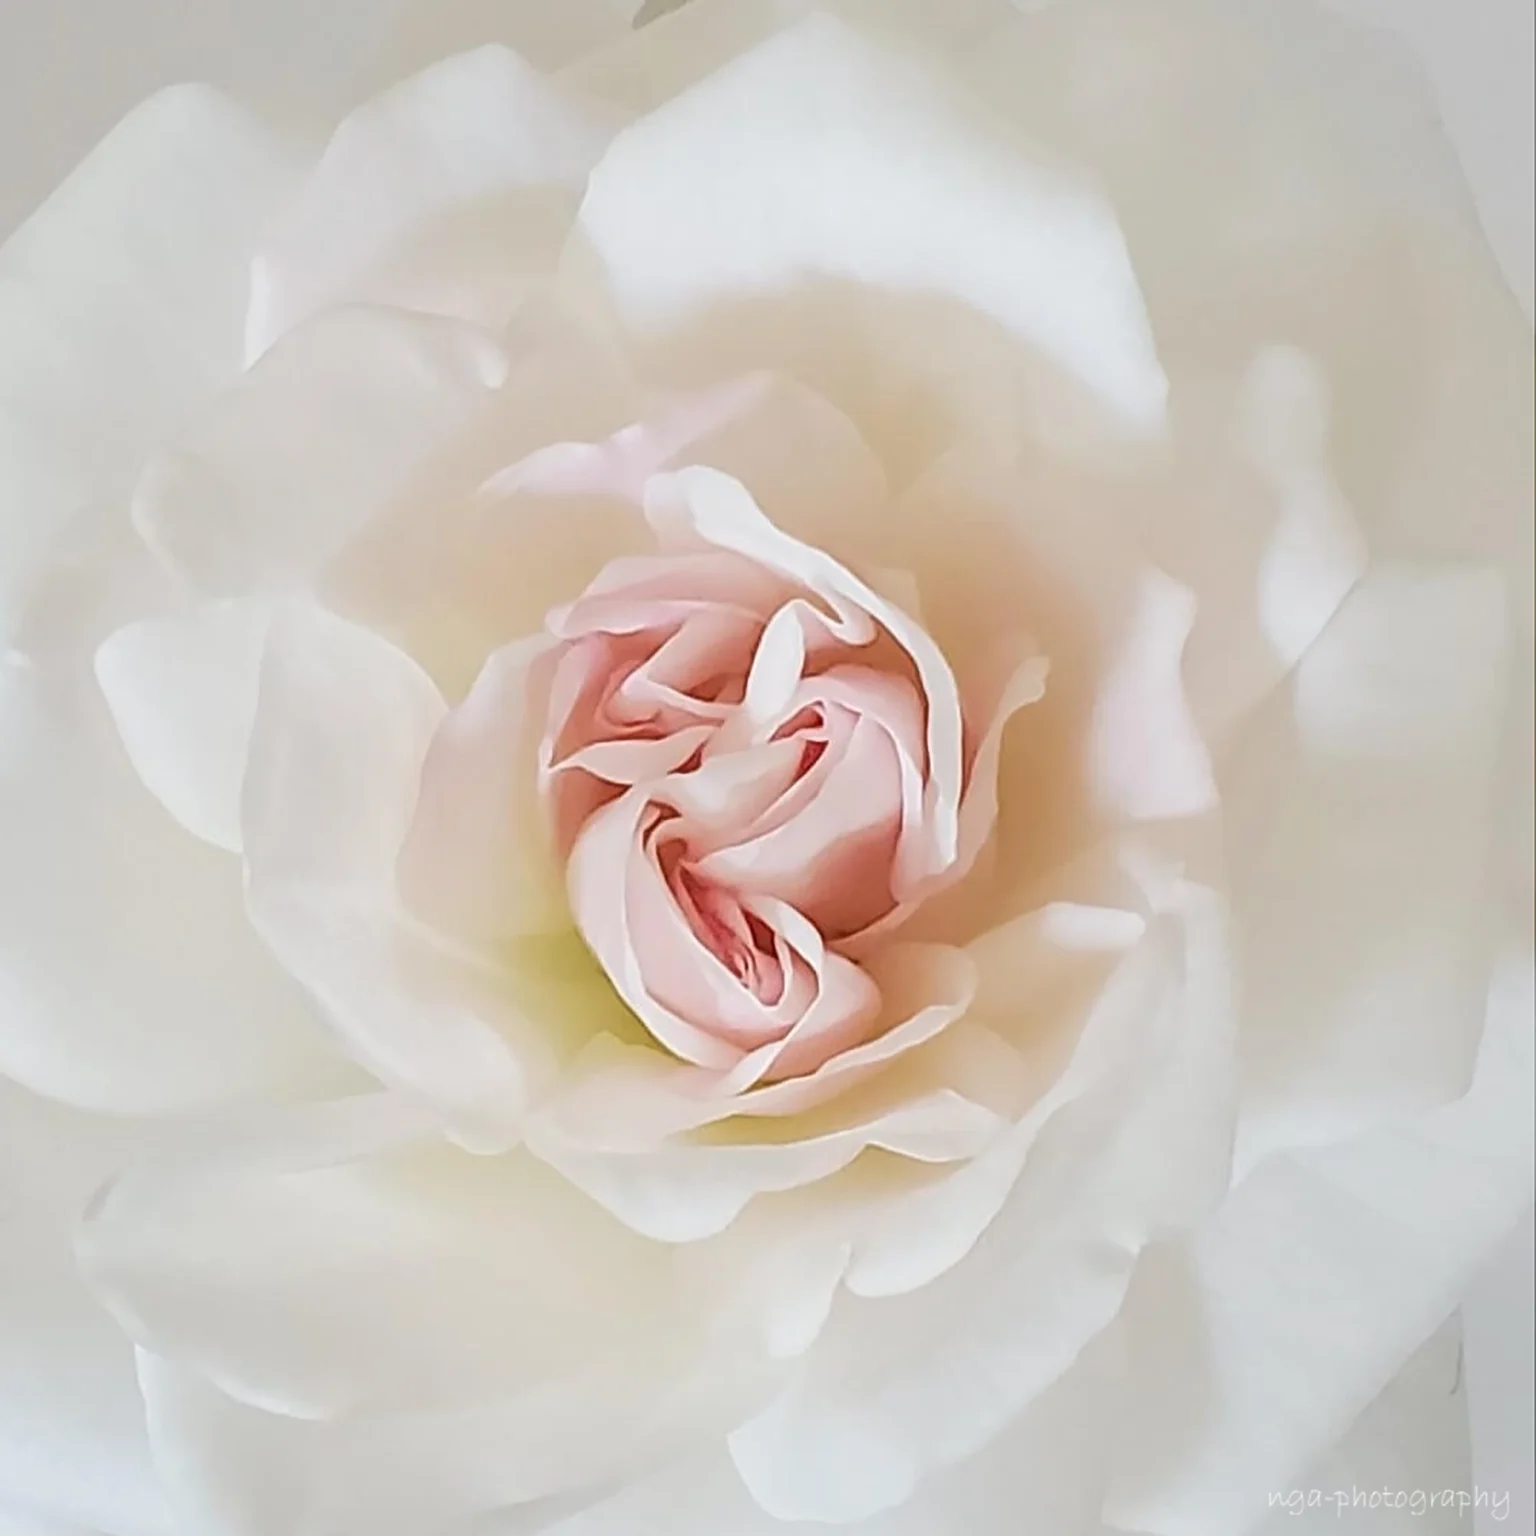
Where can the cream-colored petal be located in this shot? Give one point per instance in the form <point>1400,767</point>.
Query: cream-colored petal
<point>243,1250</point>
<point>343,725</point>
<point>321,438</point>
<point>1033,545</point>
<point>690,1189</point>
<point>1146,758</point>
<point>477,860</point>
<point>822,158</point>
<point>445,194</point>
<point>345,1326</point>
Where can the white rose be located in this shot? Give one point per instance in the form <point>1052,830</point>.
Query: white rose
<point>765,782</point>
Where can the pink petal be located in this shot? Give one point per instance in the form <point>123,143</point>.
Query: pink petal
<point>702,504</point>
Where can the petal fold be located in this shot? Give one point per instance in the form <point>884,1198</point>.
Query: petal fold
<point>443,194</point>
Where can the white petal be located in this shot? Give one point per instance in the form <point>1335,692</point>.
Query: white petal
<point>1258,1340</point>
<point>505,1466</point>
<point>1500,1368</point>
<point>229,1470</point>
<point>322,436</point>
<point>1317,552</point>
<point>182,692</point>
<point>478,859</point>
<point>1361,815</point>
<point>819,155</point>
<point>1404,1464</point>
<point>1047,1462</point>
<point>342,728</point>
<point>1256,524</point>
<point>243,1252</point>
<point>348,1327</point>
<point>900,1385</point>
<point>120,307</point>
<point>130,978</point>
<point>334,700</point>
<point>72,1440</point>
<point>429,198</point>
<point>455,570</point>
<point>71,1426</point>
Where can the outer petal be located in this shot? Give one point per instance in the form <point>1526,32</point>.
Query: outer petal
<point>342,728</point>
<point>120,304</point>
<point>182,692</point>
<point>1499,1328</point>
<point>355,1329</point>
<point>1362,812</point>
<point>503,1465</point>
<point>444,194</point>
<point>72,1440</point>
<point>819,159</point>
<point>1402,1467</point>
<point>1282,178</point>
<point>1047,1463</point>
<point>176,1004</point>
<point>242,1253</point>
<point>323,436</point>
<point>1259,1339</point>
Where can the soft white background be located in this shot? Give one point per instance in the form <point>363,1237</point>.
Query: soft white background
<point>69,68</point>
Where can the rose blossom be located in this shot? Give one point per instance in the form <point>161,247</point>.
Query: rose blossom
<point>756,778</point>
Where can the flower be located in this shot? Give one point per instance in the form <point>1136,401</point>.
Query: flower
<point>758,783</point>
